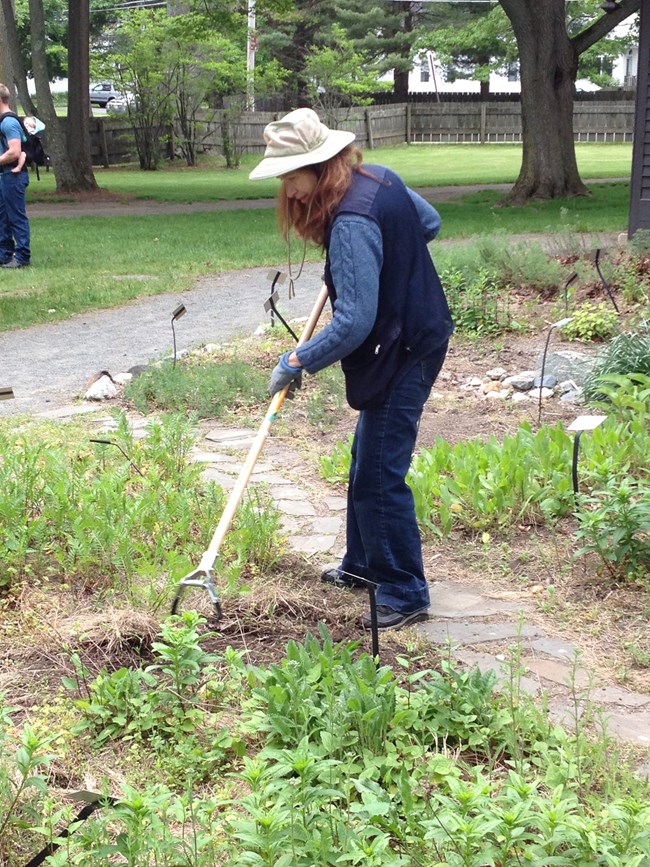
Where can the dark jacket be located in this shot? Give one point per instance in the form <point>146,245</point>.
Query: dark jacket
<point>413,318</point>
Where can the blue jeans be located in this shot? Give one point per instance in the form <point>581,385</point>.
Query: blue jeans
<point>14,225</point>
<point>383,539</point>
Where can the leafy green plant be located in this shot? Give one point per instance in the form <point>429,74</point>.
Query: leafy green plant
<point>168,707</point>
<point>591,322</point>
<point>478,303</point>
<point>255,535</point>
<point>319,681</point>
<point>614,523</point>
<point>180,657</point>
<point>627,353</point>
<point>640,243</point>
<point>477,485</point>
<point>335,468</point>
<point>159,700</point>
<point>118,516</point>
<point>23,779</point>
<point>632,277</point>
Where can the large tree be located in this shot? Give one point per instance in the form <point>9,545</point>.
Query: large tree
<point>548,58</point>
<point>77,134</point>
<point>288,34</point>
<point>12,46</point>
<point>384,31</point>
<point>471,40</point>
<point>72,167</point>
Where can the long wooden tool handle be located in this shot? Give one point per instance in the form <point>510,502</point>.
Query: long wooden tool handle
<point>207,561</point>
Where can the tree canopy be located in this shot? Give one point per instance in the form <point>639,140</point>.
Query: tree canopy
<point>326,53</point>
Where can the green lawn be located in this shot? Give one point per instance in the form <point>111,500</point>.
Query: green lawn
<point>419,165</point>
<point>91,262</point>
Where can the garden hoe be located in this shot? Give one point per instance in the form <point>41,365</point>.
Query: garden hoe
<point>202,575</point>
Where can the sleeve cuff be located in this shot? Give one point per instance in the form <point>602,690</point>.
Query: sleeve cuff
<point>284,363</point>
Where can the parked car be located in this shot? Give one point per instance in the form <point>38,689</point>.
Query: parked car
<point>102,94</point>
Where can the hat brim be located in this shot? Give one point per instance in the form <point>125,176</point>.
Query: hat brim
<point>273,167</point>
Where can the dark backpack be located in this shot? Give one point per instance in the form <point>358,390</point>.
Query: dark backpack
<point>32,146</point>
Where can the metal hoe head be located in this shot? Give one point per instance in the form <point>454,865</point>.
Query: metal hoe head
<point>194,579</point>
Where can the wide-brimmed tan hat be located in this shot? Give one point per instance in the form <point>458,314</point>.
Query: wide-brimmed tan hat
<point>297,140</point>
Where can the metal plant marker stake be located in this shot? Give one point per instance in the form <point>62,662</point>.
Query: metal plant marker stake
<point>372,600</point>
<point>603,281</point>
<point>579,426</point>
<point>181,310</point>
<point>269,304</point>
<point>92,801</point>
<point>118,446</point>
<point>551,328</point>
<point>569,281</point>
<point>374,626</point>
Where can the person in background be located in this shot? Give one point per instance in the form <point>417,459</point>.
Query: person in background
<point>389,329</point>
<point>14,225</point>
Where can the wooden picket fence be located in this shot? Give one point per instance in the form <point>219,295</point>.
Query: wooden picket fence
<point>380,125</point>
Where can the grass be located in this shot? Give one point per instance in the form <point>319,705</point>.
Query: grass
<point>605,210</point>
<point>94,262</point>
<point>419,165</point>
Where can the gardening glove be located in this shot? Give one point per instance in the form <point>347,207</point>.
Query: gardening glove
<point>284,374</point>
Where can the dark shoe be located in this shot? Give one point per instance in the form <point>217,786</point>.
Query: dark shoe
<point>388,618</point>
<point>341,579</point>
<point>14,263</point>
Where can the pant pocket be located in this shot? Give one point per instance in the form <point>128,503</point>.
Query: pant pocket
<point>432,365</point>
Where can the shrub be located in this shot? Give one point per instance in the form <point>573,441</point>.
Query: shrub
<point>592,322</point>
<point>615,525</point>
<point>509,264</point>
<point>478,303</point>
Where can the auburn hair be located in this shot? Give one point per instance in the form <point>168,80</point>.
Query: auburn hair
<point>311,220</point>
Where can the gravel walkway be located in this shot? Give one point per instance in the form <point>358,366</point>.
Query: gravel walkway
<point>48,366</point>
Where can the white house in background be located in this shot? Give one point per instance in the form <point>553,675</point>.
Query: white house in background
<point>427,76</point>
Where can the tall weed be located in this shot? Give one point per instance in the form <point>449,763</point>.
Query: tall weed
<point>24,765</point>
<point>91,515</point>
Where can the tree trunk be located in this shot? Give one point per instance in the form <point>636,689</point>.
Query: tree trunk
<point>10,42</point>
<point>6,66</point>
<point>548,63</point>
<point>401,84</point>
<point>78,134</point>
<point>65,171</point>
